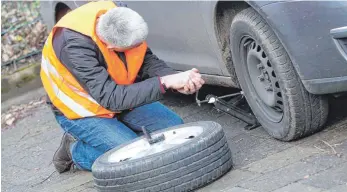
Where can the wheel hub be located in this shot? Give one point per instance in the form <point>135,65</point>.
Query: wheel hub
<point>142,147</point>
<point>260,78</point>
<point>263,79</point>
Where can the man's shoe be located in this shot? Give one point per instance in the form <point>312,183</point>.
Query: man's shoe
<point>62,158</point>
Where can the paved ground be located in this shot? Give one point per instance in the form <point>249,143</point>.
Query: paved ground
<point>317,163</point>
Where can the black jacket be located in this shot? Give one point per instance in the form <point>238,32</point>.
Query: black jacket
<point>81,56</point>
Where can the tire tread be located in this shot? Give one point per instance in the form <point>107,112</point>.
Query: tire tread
<point>308,112</point>
<point>181,169</point>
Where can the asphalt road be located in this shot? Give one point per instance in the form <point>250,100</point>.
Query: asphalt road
<point>262,164</point>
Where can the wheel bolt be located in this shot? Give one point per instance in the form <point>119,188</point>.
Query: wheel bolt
<point>261,77</point>
<point>268,88</point>
<point>260,66</point>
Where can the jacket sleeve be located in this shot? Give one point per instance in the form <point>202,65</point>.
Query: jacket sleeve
<point>80,54</point>
<point>153,66</point>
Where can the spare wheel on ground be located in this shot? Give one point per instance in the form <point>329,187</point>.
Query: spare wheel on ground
<point>191,156</point>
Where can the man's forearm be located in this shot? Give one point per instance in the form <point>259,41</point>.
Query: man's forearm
<point>125,97</point>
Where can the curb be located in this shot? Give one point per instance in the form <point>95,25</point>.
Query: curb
<point>23,99</point>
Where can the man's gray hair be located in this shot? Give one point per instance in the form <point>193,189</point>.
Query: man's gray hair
<point>122,27</point>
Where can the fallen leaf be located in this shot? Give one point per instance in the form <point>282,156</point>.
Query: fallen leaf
<point>8,116</point>
<point>37,103</point>
<point>9,122</point>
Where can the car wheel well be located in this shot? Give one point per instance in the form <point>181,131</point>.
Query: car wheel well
<point>60,10</point>
<point>225,11</point>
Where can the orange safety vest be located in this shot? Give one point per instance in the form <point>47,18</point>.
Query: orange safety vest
<point>61,86</point>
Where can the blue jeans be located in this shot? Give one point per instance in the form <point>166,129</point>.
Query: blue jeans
<point>95,136</point>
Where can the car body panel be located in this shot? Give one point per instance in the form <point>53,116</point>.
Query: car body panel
<point>207,10</point>
<point>178,34</point>
<point>304,30</point>
<point>183,33</point>
<point>47,9</point>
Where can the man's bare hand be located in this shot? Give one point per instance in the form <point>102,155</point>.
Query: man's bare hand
<point>187,82</point>
<point>195,82</point>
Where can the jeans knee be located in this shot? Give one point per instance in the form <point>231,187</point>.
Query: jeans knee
<point>171,121</point>
<point>176,120</point>
<point>112,142</point>
<point>164,123</point>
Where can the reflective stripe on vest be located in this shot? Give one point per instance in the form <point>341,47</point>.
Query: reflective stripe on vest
<point>61,86</point>
<point>49,71</point>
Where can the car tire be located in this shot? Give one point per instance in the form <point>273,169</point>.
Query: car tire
<point>200,160</point>
<point>269,81</point>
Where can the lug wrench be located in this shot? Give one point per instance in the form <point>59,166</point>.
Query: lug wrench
<point>231,109</point>
<point>212,99</point>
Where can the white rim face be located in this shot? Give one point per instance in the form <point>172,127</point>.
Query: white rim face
<point>142,148</point>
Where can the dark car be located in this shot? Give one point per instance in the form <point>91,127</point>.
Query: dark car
<point>286,56</point>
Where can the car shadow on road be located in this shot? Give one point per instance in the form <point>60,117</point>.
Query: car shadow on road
<point>337,106</point>
<point>176,99</point>
<point>337,110</point>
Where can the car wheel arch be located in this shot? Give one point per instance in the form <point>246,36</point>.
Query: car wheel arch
<point>224,12</point>
<point>60,10</point>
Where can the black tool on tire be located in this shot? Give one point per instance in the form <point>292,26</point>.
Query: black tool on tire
<point>191,155</point>
<point>149,137</point>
